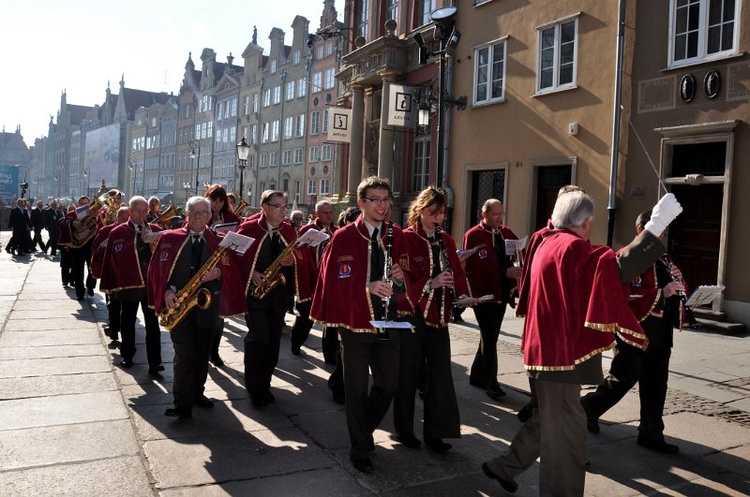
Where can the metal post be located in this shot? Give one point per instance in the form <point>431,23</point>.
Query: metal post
<point>441,117</point>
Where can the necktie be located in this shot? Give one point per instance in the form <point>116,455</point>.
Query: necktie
<point>376,258</point>
<point>275,245</point>
<point>195,254</point>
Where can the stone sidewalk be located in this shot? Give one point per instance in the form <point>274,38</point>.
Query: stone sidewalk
<point>71,423</point>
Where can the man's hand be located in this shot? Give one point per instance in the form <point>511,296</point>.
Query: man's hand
<point>257,278</point>
<point>397,273</point>
<point>380,289</point>
<point>513,272</point>
<point>170,299</point>
<point>443,280</point>
<point>673,289</point>
<point>288,260</point>
<point>214,274</point>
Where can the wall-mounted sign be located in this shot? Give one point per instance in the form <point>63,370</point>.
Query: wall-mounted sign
<point>339,124</point>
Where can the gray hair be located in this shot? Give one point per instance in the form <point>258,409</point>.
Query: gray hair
<point>572,209</point>
<point>487,205</point>
<point>323,203</point>
<point>137,198</point>
<point>197,200</point>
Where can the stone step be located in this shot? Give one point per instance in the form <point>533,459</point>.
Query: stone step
<point>723,327</point>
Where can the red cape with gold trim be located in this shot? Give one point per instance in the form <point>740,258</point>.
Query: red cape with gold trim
<point>575,303</point>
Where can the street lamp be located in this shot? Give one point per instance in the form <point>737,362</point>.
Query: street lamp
<point>186,185</point>
<point>243,152</point>
<point>134,171</point>
<point>193,144</point>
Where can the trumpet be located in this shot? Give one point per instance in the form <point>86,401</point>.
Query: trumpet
<point>166,216</point>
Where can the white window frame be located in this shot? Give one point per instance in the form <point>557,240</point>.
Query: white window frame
<point>264,133</point>
<point>420,172</point>
<point>702,33</point>
<point>317,81</point>
<point>315,122</point>
<point>299,125</point>
<point>325,152</point>
<point>277,94</point>
<point>301,88</point>
<point>267,97</point>
<point>288,127</point>
<point>312,187</point>
<point>299,155</point>
<point>290,90</point>
<point>325,186</point>
<point>314,154</point>
<point>329,81</point>
<point>556,51</point>
<point>275,131</point>
<point>286,157</point>
<point>490,69</point>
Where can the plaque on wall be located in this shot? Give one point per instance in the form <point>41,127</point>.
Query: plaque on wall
<point>687,88</point>
<point>712,83</point>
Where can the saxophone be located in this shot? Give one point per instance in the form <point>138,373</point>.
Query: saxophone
<point>191,295</point>
<point>272,276</point>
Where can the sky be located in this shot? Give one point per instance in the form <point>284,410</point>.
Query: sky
<point>81,46</point>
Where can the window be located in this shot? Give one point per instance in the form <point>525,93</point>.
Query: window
<point>288,123</point>
<point>330,80</point>
<point>421,164</point>
<point>325,121</point>
<point>319,52</point>
<point>266,97</point>
<point>296,57</point>
<point>263,160</point>
<point>299,125</point>
<point>557,55</point>
<point>315,122</point>
<point>312,187</point>
<point>702,30</point>
<point>255,103</point>
<point>329,47</point>
<point>314,154</point>
<point>273,66</point>
<point>391,12</point>
<point>426,8</point>
<point>275,131</point>
<point>299,155</point>
<point>233,104</point>
<point>264,133</point>
<point>290,90</point>
<point>273,158</point>
<point>325,187</point>
<point>254,134</point>
<point>317,83</point>
<point>364,8</point>
<point>325,152</point>
<point>276,94</point>
<point>489,73</point>
<point>246,106</point>
<point>286,157</point>
<point>301,88</point>
<point>297,190</point>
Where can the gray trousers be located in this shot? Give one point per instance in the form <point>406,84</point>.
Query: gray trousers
<point>556,433</point>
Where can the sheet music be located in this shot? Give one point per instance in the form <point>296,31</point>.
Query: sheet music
<point>511,246</point>
<point>399,325</point>
<point>82,211</point>
<point>313,237</point>
<point>464,254</point>
<point>704,295</point>
<point>235,241</point>
<point>469,301</point>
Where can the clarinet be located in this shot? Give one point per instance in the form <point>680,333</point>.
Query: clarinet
<point>387,270</point>
<point>444,264</point>
<point>667,261</point>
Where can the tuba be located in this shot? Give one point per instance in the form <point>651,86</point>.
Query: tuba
<point>84,233</point>
<point>166,216</point>
<point>191,295</point>
<point>240,207</point>
<point>273,276</point>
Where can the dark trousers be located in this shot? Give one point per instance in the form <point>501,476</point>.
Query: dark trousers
<point>624,372</point>
<point>652,390</point>
<point>192,346</point>
<point>127,328</point>
<point>37,240</point>
<point>441,416</point>
<point>483,371</point>
<point>336,380</point>
<point>302,325</point>
<point>80,258</point>
<point>114,309</point>
<point>216,339</point>
<point>330,344</point>
<point>52,242</point>
<point>365,408</point>
<point>262,344</point>
<point>556,432</point>
<point>66,266</point>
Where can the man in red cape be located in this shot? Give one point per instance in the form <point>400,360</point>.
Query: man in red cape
<point>574,304</point>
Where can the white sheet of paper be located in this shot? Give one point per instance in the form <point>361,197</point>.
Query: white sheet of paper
<point>235,241</point>
<point>469,301</point>
<point>704,295</point>
<point>313,237</point>
<point>511,246</point>
<point>400,325</point>
<point>464,254</point>
<point>82,211</point>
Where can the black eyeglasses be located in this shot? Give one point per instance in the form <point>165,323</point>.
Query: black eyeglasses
<point>379,201</point>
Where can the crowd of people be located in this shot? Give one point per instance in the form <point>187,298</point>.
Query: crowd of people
<point>385,296</point>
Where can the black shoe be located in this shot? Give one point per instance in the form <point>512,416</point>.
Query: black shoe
<point>178,412</point>
<point>658,445</point>
<point>258,399</point>
<point>204,402</point>
<point>216,361</point>
<point>154,372</point>
<point>126,363</point>
<point>156,369</point>
<point>592,425</point>
<point>363,464</point>
<point>79,297</point>
<point>339,397</point>
<point>409,441</point>
<point>270,398</point>
<point>496,393</point>
<point>508,485</point>
<point>91,292</point>
<point>437,445</point>
<point>114,344</point>
<point>296,350</point>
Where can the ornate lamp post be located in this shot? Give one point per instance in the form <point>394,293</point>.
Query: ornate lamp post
<point>194,144</point>
<point>186,185</point>
<point>243,152</point>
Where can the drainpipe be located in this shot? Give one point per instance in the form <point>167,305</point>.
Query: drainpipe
<point>617,112</point>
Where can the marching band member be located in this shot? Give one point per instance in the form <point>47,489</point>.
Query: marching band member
<point>153,209</point>
<point>350,293</point>
<point>435,278</point>
<point>98,247</point>
<point>489,271</point>
<point>179,255</point>
<point>126,260</point>
<point>265,313</point>
<point>308,262</point>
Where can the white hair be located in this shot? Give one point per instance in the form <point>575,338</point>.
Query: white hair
<point>137,198</point>
<point>572,209</point>
<point>197,200</point>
